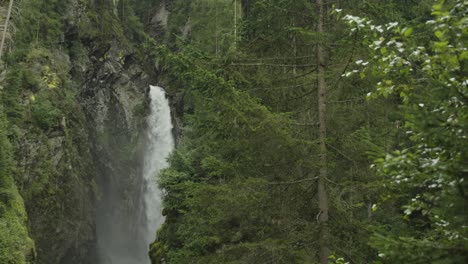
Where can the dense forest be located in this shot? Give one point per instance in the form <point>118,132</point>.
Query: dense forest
<point>306,131</point>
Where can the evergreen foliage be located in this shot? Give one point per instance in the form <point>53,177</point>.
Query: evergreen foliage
<point>217,173</point>
<point>272,62</point>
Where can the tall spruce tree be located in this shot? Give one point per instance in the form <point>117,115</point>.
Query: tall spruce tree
<point>322,116</point>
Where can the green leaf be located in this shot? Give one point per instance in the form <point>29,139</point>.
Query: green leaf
<point>407,32</point>
<point>383,51</point>
<point>441,44</point>
<point>438,6</point>
<point>464,55</point>
<point>439,34</point>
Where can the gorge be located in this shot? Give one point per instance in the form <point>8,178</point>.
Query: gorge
<point>126,228</point>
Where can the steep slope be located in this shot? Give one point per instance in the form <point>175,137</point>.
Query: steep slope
<point>74,97</point>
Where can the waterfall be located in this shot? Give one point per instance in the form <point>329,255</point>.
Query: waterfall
<point>127,225</point>
<point>159,145</point>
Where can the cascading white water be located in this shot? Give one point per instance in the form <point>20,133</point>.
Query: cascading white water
<point>159,146</point>
<point>127,225</point>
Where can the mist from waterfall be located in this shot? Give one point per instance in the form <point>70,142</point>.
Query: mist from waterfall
<point>127,220</point>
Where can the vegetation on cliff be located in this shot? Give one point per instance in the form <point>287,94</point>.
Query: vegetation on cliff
<point>44,132</point>
<point>15,245</point>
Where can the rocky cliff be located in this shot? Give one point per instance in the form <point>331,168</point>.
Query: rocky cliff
<point>76,92</point>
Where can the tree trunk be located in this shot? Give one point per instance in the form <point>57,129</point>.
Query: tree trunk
<point>324,250</point>
<point>245,4</point>
<point>5,28</point>
<point>235,23</point>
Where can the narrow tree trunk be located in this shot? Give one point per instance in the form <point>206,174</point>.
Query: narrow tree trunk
<point>324,251</point>
<point>5,28</point>
<point>216,29</point>
<point>235,23</point>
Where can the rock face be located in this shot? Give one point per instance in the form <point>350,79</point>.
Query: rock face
<point>69,169</point>
<point>114,99</point>
<point>57,186</point>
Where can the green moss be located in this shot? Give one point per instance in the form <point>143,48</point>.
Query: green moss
<point>15,245</point>
<point>44,113</point>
